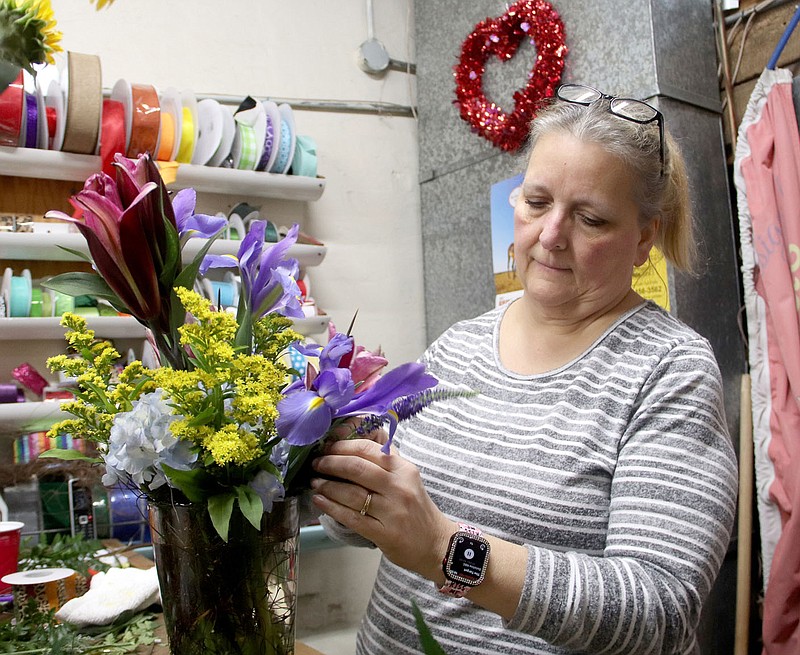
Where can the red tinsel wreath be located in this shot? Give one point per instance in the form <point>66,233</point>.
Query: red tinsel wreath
<point>535,19</point>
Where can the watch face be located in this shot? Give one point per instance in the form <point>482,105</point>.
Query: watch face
<point>466,559</point>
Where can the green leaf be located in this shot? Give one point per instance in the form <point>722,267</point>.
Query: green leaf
<point>251,505</point>
<point>429,645</point>
<point>195,484</point>
<point>173,255</point>
<point>188,275</point>
<point>220,508</point>
<point>77,253</point>
<point>244,335</point>
<point>79,283</point>
<point>63,453</point>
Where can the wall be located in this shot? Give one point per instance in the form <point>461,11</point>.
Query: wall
<point>638,48</point>
<point>368,215</point>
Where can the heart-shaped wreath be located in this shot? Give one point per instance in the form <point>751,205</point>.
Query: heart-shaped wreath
<point>535,19</point>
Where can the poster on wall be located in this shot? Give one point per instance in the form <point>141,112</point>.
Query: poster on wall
<point>503,198</point>
<point>650,279</point>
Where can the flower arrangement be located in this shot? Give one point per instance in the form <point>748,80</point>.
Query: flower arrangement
<point>220,422</point>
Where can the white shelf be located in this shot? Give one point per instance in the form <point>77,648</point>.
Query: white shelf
<point>21,418</point>
<point>44,247</point>
<point>53,165</point>
<point>113,327</point>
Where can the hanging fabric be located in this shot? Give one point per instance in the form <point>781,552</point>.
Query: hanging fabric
<point>767,179</point>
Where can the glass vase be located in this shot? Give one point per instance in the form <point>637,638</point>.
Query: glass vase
<point>234,598</point>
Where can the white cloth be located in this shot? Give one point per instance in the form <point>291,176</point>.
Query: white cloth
<point>110,595</point>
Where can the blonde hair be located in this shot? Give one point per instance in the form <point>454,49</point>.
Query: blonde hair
<point>638,145</point>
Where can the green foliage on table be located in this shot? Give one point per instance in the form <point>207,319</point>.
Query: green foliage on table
<point>40,634</point>
<point>429,644</point>
<point>74,553</point>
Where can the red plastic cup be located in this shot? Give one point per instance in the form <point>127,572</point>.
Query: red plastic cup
<point>9,550</point>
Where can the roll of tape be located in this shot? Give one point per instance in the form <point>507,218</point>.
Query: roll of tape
<point>49,588</point>
<point>84,103</point>
<point>12,103</point>
<point>145,120</point>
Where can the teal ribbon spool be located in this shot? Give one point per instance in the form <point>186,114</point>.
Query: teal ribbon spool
<point>20,300</point>
<point>224,293</point>
<point>305,157</point>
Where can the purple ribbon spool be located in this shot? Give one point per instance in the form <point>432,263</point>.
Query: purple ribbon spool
<point>11,393</point>
<point>269,138</point>
<point>32,117</point>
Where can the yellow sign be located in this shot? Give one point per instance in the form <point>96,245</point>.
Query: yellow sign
<point>650,279</point>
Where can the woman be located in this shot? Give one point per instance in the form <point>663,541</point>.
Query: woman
<point>595,460</point>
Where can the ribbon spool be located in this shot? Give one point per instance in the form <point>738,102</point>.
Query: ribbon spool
<point>248,142</point>
<point>269,140</point>
<point>145,120</point>
<point>54,101</point>
<point>287,145</point>
<point>274,118</point>
<point>223,152</point>
<point>11,393</point>
<point>31,120</point>
<point>84,94</point>
<point>171,112</point>
<point>166,139</point>
<point>305,157</point>
<point>112,133</point>
<point>17,293</point>
<point>12,101</point>
<point>49,588</point>
<point>188,128</point>
<point>209,130</point>
<point>45,117</point>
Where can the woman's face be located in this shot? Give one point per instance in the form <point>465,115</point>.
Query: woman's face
<point>577,233</point>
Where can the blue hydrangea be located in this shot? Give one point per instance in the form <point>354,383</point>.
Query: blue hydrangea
<point>141,441</point>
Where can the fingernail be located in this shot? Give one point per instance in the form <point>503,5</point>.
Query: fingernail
<point>315,483</point>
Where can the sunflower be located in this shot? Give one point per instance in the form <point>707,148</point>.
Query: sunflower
<point>27,33</point>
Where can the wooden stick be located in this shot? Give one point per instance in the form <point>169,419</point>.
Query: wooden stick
<point>745,535</point>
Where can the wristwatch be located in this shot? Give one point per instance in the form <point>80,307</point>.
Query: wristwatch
<point>465,562</point>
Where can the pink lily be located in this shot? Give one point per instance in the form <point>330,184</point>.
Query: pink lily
<point>125,226</point>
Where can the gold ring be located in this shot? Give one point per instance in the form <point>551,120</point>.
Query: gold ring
<point>367,501</point>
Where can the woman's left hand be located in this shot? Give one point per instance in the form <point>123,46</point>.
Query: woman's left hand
<point>382,497</point>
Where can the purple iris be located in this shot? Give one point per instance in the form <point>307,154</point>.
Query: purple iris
<point>306,414</point>
<point>269,278</point>
<point>191,224</point>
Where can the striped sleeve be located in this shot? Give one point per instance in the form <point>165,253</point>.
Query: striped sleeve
<point>671,511</point>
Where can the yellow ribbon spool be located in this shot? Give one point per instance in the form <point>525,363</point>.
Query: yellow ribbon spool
<point>186,148</point>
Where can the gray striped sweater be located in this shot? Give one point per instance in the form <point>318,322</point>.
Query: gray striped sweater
<point>616,472</point>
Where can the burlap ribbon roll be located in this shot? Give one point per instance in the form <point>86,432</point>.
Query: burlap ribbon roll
<point>84,103</point>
